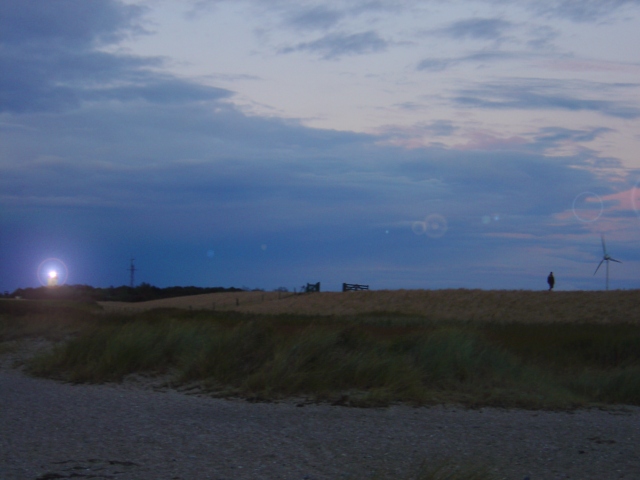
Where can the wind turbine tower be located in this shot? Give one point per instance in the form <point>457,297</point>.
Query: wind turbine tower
<point>606,258</point>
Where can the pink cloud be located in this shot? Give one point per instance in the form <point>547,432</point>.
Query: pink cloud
<point>626,200</point>
<point>487,141</point>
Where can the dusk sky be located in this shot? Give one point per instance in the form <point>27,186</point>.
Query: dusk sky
<point>266,143</point>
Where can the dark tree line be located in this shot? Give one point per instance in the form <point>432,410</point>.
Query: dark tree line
<point>141,293</point>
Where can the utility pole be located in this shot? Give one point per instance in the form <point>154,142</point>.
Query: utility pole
<point>132,270</point>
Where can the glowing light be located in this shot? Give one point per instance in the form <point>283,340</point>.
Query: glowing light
<point>487,219</point>
<point>52,272</point>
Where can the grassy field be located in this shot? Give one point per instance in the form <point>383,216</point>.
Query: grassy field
<point>620,306</point>
<point>511,349</point>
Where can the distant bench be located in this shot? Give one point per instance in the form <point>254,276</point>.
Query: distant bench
<point>348,287</point>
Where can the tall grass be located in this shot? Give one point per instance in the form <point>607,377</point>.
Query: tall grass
<point>360,361</point>
<point>53,319</point>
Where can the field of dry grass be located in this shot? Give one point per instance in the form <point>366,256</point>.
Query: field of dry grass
<point>499,348</point>
<point>620,306</point>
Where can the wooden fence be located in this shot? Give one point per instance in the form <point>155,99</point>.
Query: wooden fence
<point>311,287</point>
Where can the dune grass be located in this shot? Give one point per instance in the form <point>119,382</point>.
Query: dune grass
<point>53,320</point>
<point>366,360</point>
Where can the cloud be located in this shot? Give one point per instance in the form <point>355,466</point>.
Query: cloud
<point>441,128</point>
<point>102,154</point>
<point>336,45</point>
<point>541,37</point>
<point>321,16</point>
<point>155,160</point>
<point>498,31</point>
<point>536,94</point>
<point>66,23</point>
<point>415,136</point>
<point>554,135</point>
<point>159,90</point>
<point>440,64</point>
<point>204,174</point>
<point>318,17</point>
<point>581,11</point>
<point>476,29</point>
<point>51,62</point>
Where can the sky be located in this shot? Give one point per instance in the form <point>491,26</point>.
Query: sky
<point>400,144</point>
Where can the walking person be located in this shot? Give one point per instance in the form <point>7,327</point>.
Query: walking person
<point>551,281</point>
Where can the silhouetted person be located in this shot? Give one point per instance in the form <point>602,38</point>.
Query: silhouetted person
<point>551,281</point>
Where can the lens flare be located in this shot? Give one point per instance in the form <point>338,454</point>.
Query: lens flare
<point>436,226</point>
<point>52,272</point>
<point>419,228</point>
<point>587,207</point>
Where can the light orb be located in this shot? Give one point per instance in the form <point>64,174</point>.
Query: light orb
<point>587,207</point>
<point>52,272</point>
<point>53,278</point>
<point>436,225</point>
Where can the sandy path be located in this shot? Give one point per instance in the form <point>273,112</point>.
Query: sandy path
<point>53,430</point>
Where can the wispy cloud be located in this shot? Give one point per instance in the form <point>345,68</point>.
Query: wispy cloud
<point>317,17</point>
<point>439,64</point>
<point>532,94</point>
<point>418,135</point>
<point>581,11</point>
<point>336,45</point>
<point>475,29</point>
<point>553,135</point>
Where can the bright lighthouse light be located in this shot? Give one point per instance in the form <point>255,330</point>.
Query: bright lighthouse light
<point>53,278</point>
<point>52,272</point>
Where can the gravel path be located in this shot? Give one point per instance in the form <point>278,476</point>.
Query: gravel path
<point>52,430</point>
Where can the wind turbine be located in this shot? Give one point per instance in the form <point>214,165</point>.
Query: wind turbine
<point>606,258</point>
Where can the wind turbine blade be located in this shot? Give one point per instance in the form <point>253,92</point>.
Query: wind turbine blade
<point>598,266</point>
<point>604,248</point>
<point>614,260</point>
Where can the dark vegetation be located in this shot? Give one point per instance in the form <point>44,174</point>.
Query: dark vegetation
<point>363,360</point>
<point>142,293</point>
